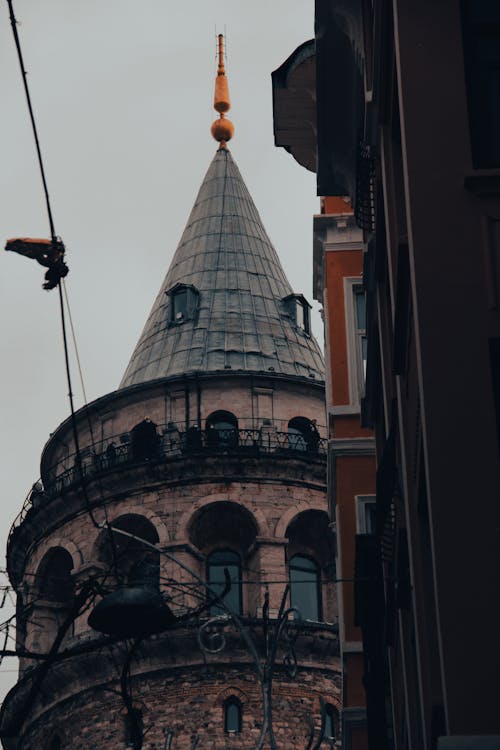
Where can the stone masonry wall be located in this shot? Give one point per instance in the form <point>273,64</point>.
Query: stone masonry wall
<point>190,702</point>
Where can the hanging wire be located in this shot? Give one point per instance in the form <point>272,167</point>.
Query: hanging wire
<point>77,355</point>
<point>14,22</point>
<point>114,551</point>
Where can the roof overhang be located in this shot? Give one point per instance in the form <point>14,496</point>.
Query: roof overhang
<point>294,105</point>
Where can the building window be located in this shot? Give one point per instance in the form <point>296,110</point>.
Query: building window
<point>360,324</point>
<point>217,563</point>
<point>305,592</point>
<point>130,561</point>
<point>232,716</point>
<point>355,309</point>
<point>183,305</point>
<point>303,435</point>
<point>222,430</point>
<point>297,308</point>
<point>365,514</point>
<point>180,305</point>
<point>55,583</point>
<point>331,722</point>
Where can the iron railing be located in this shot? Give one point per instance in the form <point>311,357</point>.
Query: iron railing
<point>364,204</point>
<point>167,445</point>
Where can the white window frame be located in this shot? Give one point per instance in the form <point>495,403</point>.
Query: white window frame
<point>361,502</point>
<point>354,352</point>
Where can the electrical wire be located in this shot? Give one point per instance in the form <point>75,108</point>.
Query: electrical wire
<point>14,22</point>
<point>77,355</point>
<point>91,430</point>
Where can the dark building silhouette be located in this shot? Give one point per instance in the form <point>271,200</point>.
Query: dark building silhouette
<point>408,125</point>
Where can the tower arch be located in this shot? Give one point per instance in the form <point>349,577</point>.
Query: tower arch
<point>186,519</point>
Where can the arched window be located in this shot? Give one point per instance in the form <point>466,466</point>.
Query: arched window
<point>303,435</point>
<point>131,561</point>
<point>305,593</point>
<point>232,716</point>
<point>331,722</point>
<point>222,430</point>
<point>54,576</point>
<point>54,591</point>
<point>145,441</point>
<point>217,563</point>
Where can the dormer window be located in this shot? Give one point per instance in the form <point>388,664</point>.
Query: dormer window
<point>297,308</point>
<point>183,303</point>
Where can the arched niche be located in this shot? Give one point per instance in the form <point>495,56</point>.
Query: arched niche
<point>52,596</point>
<point>53,578</point>
<point>303,435</point>
<point>232,715</point>
<point>309,534</point>
<point>223,524</point>
<point>225,531</point>
<point>123,556</point>
<point>221,430</point>
<point>311,565</point>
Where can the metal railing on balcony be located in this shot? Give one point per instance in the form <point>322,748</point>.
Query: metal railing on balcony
<point>168,444</point>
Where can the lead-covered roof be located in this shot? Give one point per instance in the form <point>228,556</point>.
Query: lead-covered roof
<point>240,321</point>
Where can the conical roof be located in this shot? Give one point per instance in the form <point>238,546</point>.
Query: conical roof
<point>238,320</point>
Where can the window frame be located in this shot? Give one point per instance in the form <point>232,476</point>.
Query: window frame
<point>232,700</point>
<point>319,603</point>
<point>216,609</point>
<point>192,301</point>
<point>332,713</point>
<point>354,337</point>
<point>292,303</point>
<point>361,518</point>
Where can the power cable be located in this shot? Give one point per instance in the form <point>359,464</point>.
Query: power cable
<point>77,355</point>
<point>114,551</point>
<point>13,22</point>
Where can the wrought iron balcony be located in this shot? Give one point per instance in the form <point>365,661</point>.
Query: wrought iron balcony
<point>168,443</point>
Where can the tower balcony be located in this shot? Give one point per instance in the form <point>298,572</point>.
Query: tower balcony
<point>169,456</point>
<point>169,443</point>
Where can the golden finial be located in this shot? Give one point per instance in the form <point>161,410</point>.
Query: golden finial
<point>222,129</point>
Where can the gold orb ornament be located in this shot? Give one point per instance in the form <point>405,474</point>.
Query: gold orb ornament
<point>222,129</point>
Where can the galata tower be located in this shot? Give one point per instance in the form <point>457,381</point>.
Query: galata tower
<point>174,565</point>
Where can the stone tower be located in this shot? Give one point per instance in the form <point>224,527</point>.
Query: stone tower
<point>200,484</point>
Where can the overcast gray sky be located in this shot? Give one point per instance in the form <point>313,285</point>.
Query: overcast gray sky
<point>123,92</point>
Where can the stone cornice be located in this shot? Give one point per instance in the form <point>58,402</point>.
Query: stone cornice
<point>352,446</point>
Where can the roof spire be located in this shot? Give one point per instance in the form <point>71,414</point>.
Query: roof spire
<point>222,129</point>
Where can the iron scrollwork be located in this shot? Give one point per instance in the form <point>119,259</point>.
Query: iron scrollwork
<point>278,635</point>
